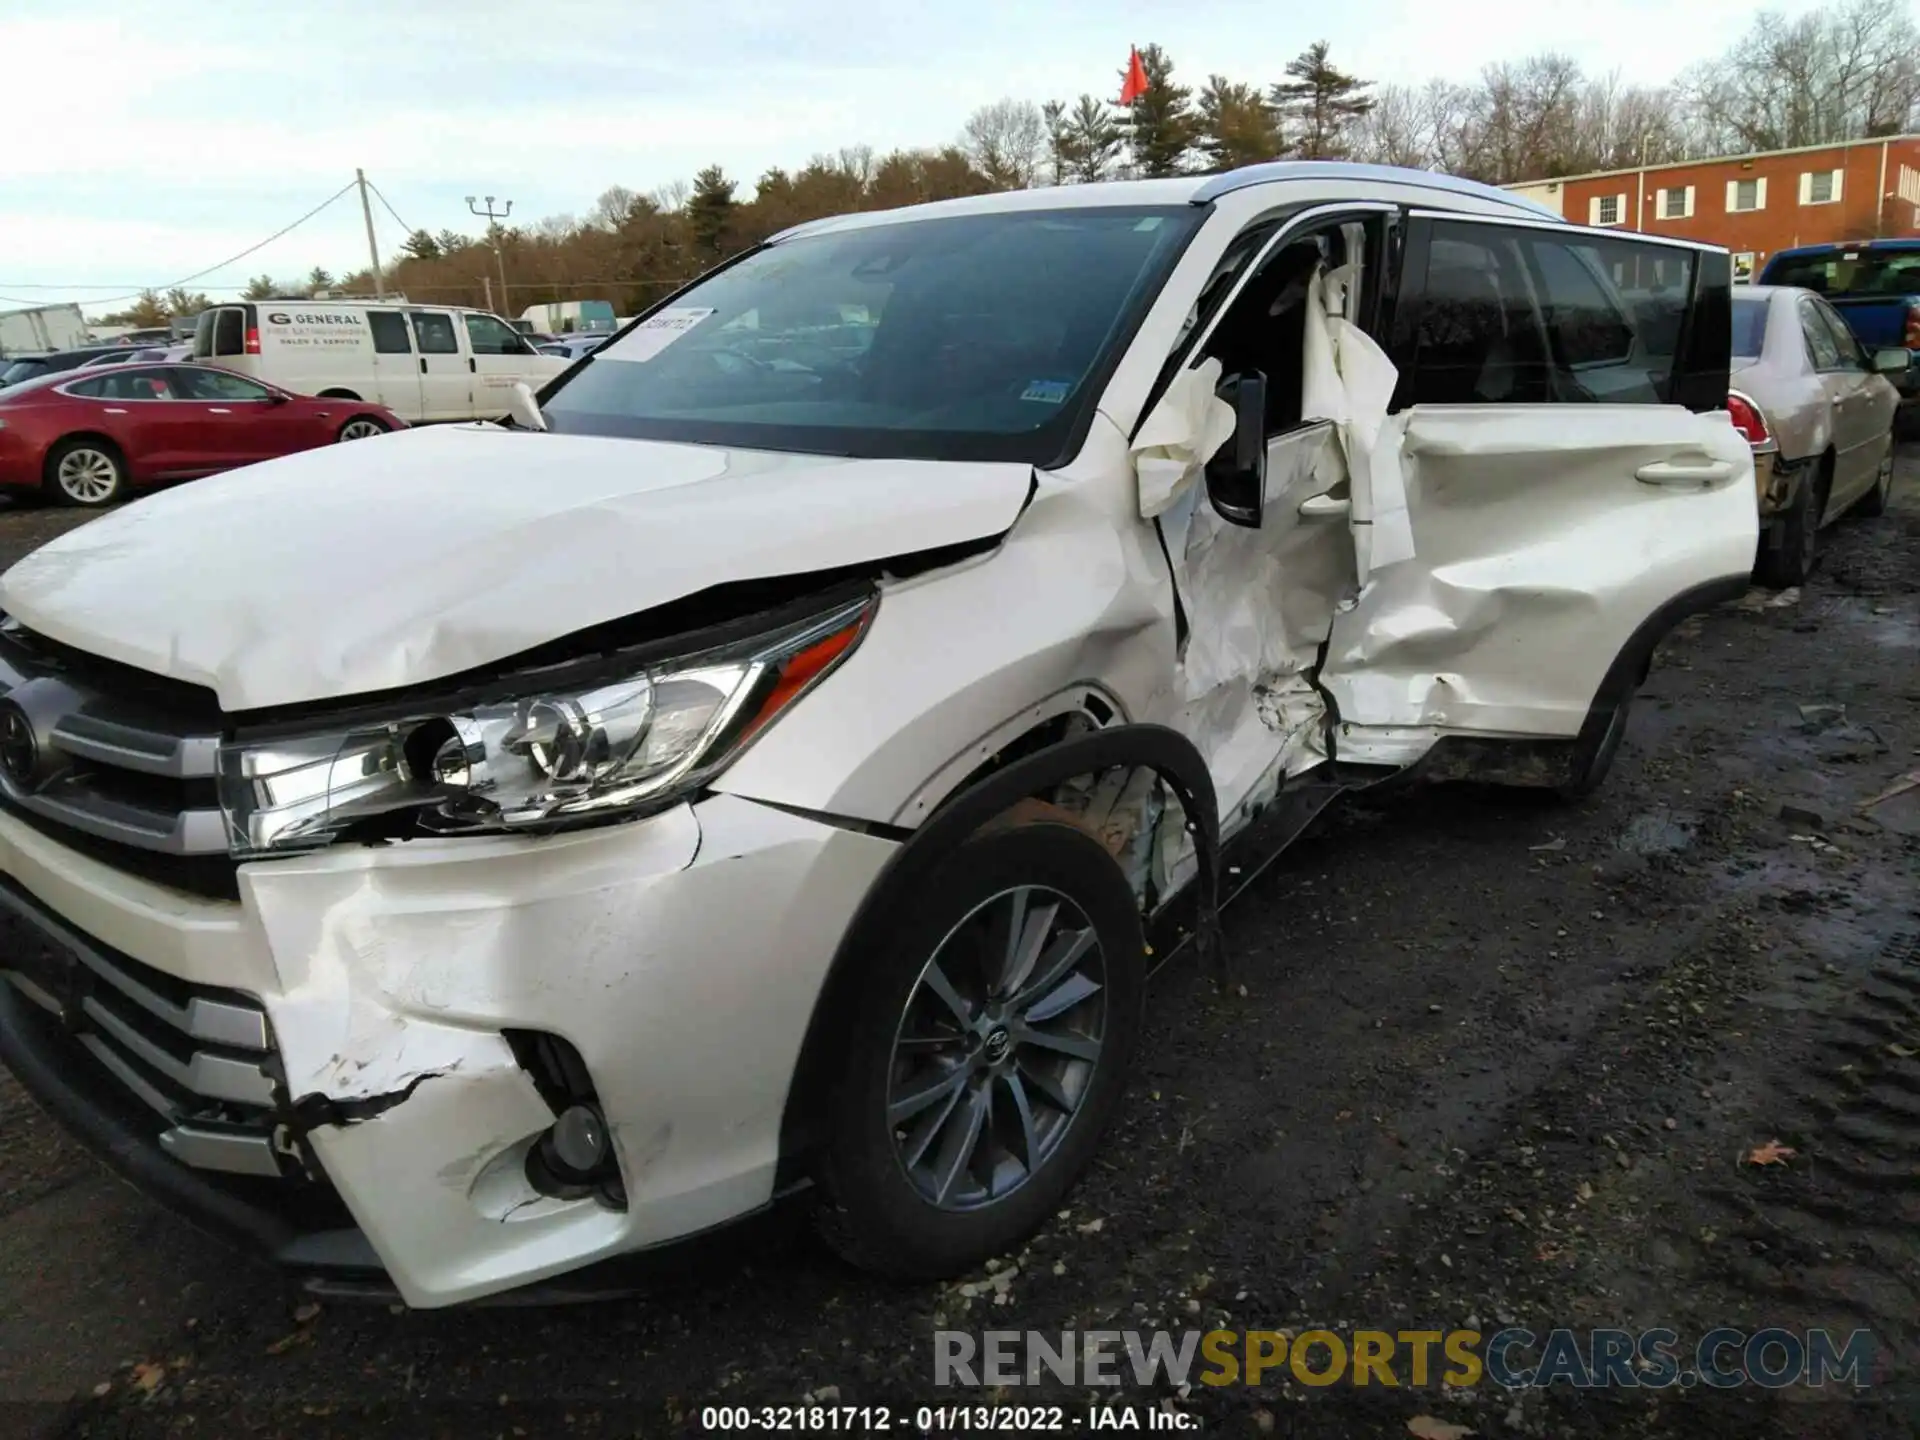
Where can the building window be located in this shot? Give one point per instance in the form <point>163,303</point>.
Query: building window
<point>1820,187</point>
<point>1676,202</point>
<point>1744,195</point>
<point>1607,210</point>
<point>1743,263</point>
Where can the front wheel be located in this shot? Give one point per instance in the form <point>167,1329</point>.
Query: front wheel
<point>1874,502</point>
<point>362,427</point>
<point>986,1055</point>
<point>86,472</point>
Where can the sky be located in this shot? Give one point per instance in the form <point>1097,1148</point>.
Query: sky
<point>146,143</point>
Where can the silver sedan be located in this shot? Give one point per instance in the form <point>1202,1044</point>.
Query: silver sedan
<point>1819,412</point>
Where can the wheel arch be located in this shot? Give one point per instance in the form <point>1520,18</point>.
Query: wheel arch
<point>93,437</point>
<point>984,798</point>
<point>338,393</point>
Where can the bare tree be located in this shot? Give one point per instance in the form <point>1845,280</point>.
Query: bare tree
<point>1397,130</point>
<point>1008,142</point>
<point>1842,73</point>
<point>615,204</point>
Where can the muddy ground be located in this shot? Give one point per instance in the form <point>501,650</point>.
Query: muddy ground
<point>1496,1062</point>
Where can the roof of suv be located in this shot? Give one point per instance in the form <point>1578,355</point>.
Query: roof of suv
<point>1196,190</point>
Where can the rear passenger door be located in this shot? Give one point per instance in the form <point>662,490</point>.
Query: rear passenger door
<point>396,369</point>
<point>1571,479</point>
<point>1862,427</point>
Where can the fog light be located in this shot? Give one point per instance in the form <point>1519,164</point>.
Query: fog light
<point>579,1141</point>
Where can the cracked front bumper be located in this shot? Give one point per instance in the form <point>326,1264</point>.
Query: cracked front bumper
<point>680,956</point>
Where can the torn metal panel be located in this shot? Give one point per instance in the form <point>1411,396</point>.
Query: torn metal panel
<point>1179,436</point>
<point>1548,533</point>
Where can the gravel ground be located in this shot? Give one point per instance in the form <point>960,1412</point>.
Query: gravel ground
<point>1494,1062</point>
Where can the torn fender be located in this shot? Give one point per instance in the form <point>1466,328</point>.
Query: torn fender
<point>354,569</point>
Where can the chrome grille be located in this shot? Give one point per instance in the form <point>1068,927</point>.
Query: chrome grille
<point>88,749</point>
<point>202,1059</point>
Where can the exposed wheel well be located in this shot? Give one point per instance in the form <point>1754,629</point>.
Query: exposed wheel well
<point>1020,784</point>
<point>339,395</point>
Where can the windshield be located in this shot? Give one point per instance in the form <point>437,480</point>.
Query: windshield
<point>1749,325</point>
<point>980,337</point>
<point>1868,272</point>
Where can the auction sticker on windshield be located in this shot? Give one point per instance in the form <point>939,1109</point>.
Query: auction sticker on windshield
<point>657,332</point>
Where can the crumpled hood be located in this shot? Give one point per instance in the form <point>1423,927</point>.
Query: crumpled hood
<point>389,562</point>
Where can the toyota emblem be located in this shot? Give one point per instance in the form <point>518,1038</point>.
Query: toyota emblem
<point>19,752</point>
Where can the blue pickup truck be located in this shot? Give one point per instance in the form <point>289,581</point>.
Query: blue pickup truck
<point>1875,285</point>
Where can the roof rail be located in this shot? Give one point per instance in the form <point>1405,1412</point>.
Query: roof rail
<point>1275,170</point>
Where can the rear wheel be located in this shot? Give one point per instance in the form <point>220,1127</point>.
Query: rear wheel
<point>1595,753</point>
<point>1874,502</point>
<point>1790,550</point>
<point>986,1055</point>
<point>86,472</point>
<point>363,427</point>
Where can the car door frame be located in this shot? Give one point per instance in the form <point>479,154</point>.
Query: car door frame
<point>494,372</point>
<point>1386,716</point>
<point>397,373</point>
<point>1873,421</point>
<point>163,423</point>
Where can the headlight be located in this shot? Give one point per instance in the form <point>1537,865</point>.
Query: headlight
<point>617,746</point>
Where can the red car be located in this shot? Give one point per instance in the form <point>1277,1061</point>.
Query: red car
<point>85,437</point>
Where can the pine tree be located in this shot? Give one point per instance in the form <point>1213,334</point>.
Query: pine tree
<point>1160,125</point>
<point>1320,103</point>
<point>421,245</point>
<point>710,210</point>
<point>1237,126</point>
<point>319,278</point>
<point>261,287</point>
<point>1088,141</point>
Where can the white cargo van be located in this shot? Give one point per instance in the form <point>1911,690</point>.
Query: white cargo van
<point>423,362</point>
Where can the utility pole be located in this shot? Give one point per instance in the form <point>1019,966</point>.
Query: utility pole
<point>373,249</point>
<point>494,217</point>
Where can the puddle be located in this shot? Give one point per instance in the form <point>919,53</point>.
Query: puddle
<point>1659,832</point>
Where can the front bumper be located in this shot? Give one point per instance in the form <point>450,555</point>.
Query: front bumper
<point>681,956</point>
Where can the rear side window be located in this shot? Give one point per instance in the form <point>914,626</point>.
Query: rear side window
<point>1749,327</point>
<point>389,329</point>
<point>1826,354</point>
<point>1862,272</point>
<point>1533,317</point>
<point>88,389</point>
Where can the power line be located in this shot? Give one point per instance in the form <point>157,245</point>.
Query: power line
<point>188,280</point>
<point>387,205</point>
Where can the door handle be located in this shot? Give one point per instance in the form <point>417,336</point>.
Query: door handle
<point>1685,472</point>
<point>423,364</point>
<point>218,410</point>
<point>473,366</point>
<point>1324,507</point>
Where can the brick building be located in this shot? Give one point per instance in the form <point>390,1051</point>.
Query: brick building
<point>1755,204</point>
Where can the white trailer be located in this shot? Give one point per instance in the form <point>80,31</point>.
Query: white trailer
<point>42,328</point>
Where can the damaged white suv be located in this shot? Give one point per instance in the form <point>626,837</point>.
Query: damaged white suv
<point>489,850</point>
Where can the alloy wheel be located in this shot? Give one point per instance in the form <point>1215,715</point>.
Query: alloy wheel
<point>361,430</point>
<point>997,1048</point>
<point>87,476</point>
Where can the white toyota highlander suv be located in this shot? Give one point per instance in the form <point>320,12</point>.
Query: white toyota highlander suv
<point>771,759</point>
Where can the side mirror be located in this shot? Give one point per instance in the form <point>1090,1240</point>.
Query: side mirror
<point>1891,362</point>
<point>278,397</point>
<point>1237,474</point>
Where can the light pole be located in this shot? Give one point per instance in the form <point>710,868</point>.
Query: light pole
<point>493,218</point>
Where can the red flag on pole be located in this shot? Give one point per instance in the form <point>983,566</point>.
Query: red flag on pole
<point>1136,82</point>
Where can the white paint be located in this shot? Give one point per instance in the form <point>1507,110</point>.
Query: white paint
<point>428,552</point>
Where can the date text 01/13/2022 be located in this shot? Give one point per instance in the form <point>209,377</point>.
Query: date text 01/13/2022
<point>940,1419</point>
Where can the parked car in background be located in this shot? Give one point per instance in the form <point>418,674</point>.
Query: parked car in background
<point>86,439</point>
<point>123,356</point>
<point>423,362</point>
<point>1819,412</point>
<point>742,774</point>
<point>32,367</point>
<point>574,346</point>
<point>1875,286</point>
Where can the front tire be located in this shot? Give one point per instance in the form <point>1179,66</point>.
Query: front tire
<point>986,1055</point>
<point>362,427</point>
<point>1874,502</point>
<point>85,472</point>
